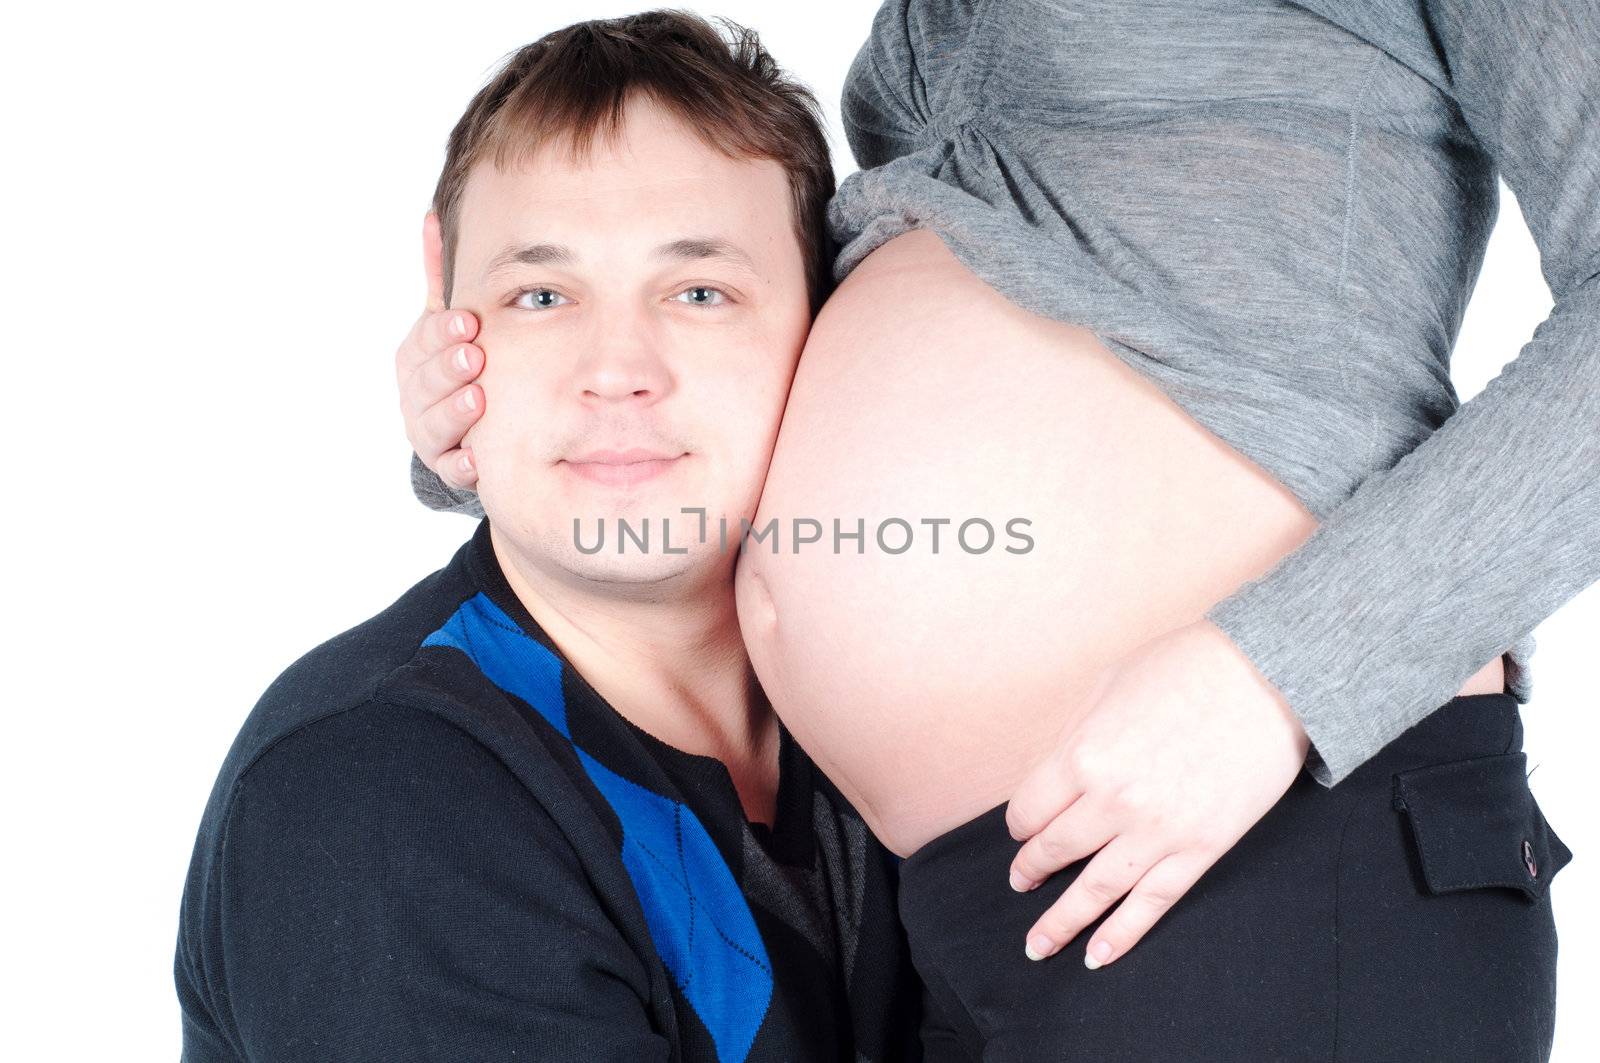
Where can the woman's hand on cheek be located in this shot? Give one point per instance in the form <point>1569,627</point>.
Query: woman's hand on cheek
<point>434,369</point>
<point>1182,748</point>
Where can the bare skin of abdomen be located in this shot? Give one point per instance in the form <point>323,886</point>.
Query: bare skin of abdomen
<point>926,685</point>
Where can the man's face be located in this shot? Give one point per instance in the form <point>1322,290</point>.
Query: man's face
<point>658,305</point>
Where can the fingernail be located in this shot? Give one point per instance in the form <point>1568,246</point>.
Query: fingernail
<point>466,463</point>
<point>1039,947</point>
<point>1098,953</point>
<point>461,359</point>
<point>458,324</point>
<point>1019,883</point>
<point>469,401</point>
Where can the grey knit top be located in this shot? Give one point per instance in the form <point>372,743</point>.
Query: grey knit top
<point>1277,212</point>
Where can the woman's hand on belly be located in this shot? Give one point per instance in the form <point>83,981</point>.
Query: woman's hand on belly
<point>1178,752</point>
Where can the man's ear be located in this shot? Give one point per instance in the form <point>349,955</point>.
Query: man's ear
<point>433,261</point>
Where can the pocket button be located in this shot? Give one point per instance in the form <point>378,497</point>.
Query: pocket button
<point>1527,859</point>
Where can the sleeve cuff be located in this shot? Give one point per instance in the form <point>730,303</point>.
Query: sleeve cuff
<point>438,495</point>
<point>1354,682</point>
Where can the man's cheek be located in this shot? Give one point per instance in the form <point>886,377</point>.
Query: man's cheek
<point>506,409</point>
<point>502,443</point>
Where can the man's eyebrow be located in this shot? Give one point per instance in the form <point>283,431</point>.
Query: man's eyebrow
<point>685,248</point>
<point>531,255</point>
<point>697,247</point>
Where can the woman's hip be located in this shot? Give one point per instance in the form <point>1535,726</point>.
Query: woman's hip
<point>1402,914</point>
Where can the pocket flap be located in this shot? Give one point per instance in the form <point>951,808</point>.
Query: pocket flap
<point>1477,824</point>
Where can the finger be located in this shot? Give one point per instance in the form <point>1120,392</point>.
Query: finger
<point>440,428</point>
<point>433,260</point>
<point>431,334</point>
<point>1101,883</point>
<point>462,469</point>
<point>1151,898</point>
<point>1080,829</point>
<point>1046,792</point>
<point>438,331</point>
<point>439,377</point>
<point>1054,783</point>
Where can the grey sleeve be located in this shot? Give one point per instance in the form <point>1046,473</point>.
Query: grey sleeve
<point>436,494</point>
<point>1435,565</point>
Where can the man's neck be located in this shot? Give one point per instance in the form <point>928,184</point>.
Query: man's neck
<point>674,664</point>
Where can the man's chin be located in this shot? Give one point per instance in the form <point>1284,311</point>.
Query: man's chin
<point>639,569</point>
<point>623,537</point>
<point>644,523</point>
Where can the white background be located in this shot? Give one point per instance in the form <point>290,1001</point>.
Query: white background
<point>213,247</point>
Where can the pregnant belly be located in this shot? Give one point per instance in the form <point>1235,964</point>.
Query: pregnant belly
<point>928,663</point>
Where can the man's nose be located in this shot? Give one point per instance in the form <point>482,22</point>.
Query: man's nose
<point>624,362</point>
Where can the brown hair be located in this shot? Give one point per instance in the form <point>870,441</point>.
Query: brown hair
<point>730,92</point>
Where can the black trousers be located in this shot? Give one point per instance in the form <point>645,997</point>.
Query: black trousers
<point>1402,914</point>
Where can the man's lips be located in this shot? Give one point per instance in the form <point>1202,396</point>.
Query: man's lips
<point>622,457</point>
<point>621,467</point>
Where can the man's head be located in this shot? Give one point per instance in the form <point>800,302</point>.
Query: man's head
<point>634,210</point>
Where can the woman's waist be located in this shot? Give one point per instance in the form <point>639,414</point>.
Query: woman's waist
<point>924,661</point>
<point>927,692</point>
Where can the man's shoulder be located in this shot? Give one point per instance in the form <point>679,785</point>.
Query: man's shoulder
<point>380,749</point>
<point>384,843</point>
<point>350,669</point>
<point>375,693</point>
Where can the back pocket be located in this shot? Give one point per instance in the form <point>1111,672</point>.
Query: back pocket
<point>1476,824</point>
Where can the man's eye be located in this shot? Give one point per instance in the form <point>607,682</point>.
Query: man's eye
<point>543,298</point>
<point>701,295</point>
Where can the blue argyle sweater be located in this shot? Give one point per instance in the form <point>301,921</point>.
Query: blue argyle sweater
<point>433,840</point>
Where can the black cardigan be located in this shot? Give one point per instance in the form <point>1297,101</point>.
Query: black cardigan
<point>432,839</point>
